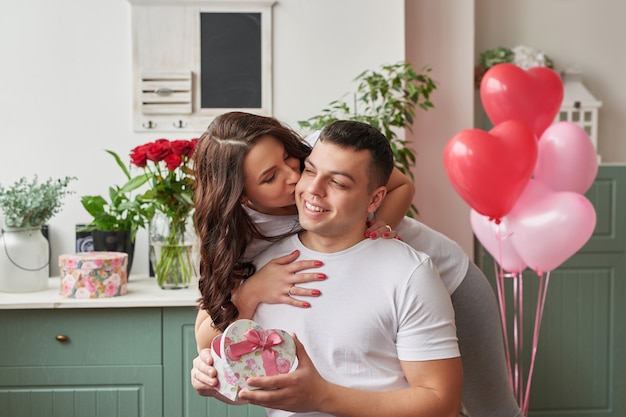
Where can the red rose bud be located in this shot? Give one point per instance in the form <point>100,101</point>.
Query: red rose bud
<point>158,150</point>
<point>182,147</point>
<point>172,161</point>
<point>138,156</point>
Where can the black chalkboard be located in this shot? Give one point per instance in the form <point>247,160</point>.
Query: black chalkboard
<point>230,63</point>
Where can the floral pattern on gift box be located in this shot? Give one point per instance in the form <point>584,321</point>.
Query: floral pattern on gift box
<point>93,274</point>
<point>250,350</point>
<point>227,380</point>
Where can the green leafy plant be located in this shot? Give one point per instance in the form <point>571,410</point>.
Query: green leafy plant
<point>494,56</point>
<point>121,211</point>
<point>523,56</point>
<point>386,99</point>
<point>31,203</point>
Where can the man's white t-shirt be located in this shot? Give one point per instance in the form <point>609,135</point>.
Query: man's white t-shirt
<point>382,303</point>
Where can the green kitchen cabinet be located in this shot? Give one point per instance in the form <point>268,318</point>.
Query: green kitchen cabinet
<point>80,363</point>
<point>579,368</point>
<point>101,362</point>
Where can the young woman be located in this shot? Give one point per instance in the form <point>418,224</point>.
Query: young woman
<point>246,170</point>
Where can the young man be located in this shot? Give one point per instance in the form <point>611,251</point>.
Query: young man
<point>381,340</point>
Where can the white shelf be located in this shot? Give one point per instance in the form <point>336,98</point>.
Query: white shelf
<point>143,291</point>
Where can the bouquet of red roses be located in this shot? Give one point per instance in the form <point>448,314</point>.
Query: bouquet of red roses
<point>171,192</point>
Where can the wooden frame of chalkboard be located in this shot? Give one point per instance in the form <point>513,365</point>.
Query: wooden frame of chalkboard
<point>195,59</point>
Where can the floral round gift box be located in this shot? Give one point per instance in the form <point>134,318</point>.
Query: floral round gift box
<point>93,274</point>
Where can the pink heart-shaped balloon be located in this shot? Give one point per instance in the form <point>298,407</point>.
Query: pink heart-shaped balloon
<point>489,170</point>
<point>496,239</point>
<point>567,160</point>
<point>533,96</point>
<point>547,227</point>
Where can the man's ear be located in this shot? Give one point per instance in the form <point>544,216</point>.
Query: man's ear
<point>377,198</point>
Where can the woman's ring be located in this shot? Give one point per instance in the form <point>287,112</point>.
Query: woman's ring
<point>290,288</point>
<point>389,228</point>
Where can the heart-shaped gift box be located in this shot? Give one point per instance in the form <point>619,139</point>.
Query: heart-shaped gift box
<point>246,349</point>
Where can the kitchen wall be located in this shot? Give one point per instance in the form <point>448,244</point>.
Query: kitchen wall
<point>67,94</point>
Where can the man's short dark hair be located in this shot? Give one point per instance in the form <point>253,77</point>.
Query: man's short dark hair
<point>362,136</point>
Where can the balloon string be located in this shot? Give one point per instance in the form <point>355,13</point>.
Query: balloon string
<point>499,272</point>
<point>514,357</point>
<point>541,302</point>
<point>502,304</point>
<point>518,288</point>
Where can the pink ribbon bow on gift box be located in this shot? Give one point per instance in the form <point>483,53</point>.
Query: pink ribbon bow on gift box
<point>255,340</point>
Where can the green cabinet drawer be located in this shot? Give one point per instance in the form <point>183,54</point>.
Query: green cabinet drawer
<point>75,391</point>
<point>81,337</point>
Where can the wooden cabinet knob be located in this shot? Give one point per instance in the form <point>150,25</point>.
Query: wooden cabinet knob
<point>62,338</point>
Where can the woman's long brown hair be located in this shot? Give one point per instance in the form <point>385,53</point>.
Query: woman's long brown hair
<point>223,225</point>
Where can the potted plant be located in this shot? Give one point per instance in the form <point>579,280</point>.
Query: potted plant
<point>24,251</point>
<point>115,221</point>
<point>386,99</point>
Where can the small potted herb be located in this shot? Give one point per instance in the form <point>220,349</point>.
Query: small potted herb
<point>30,204</point>
<point>24,251</point>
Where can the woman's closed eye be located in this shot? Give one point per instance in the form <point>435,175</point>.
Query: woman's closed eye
<point>270,179</point>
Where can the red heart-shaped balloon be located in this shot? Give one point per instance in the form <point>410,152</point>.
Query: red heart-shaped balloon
<point>533,96</point>
<point>489,170</point>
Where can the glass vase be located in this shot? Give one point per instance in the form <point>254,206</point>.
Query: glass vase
<point>172,244</point>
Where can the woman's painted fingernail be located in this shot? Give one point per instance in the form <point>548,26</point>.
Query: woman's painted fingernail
<point>319,263</point>
<point>306,305</point>
<point>385,234</point>
<point>367,233</point>
<point>316,292</point>
<point>295,251</point>
<point>373,235</point>
<point>321,276</point>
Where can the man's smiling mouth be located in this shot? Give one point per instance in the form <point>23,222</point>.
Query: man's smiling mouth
<point>311,207</point>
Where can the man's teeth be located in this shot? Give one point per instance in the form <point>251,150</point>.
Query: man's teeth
<point>314,208</point>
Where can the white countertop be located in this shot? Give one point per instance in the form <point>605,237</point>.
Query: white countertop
<point>142,291</point>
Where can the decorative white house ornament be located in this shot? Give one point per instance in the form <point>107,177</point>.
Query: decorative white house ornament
<point>579,106</point>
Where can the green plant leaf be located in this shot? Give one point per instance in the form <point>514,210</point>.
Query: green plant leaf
<point>119,162</point>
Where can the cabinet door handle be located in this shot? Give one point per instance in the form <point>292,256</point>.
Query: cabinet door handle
<point>62,338</point>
